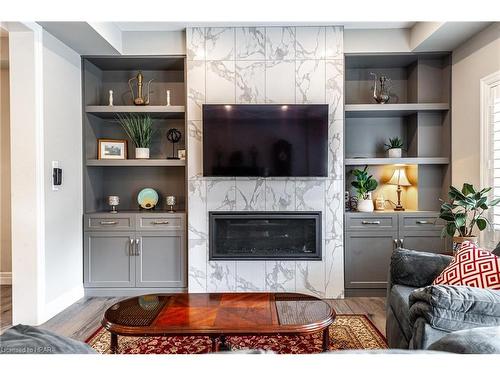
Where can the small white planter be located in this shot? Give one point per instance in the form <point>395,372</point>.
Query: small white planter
<point>395,152</point>
<point>365,205</point>
<point>142,153</point>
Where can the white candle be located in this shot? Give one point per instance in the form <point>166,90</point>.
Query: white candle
<point>110,97</point>
<point>168,97</point>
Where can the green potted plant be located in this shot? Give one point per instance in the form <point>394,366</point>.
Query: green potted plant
<point>364,185</point>
<point>465,213</point>
<point>394,147</point>
<point>139,128</point>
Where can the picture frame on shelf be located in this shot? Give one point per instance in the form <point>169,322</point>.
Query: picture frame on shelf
<point>112,149</point>
<point>181,154</point>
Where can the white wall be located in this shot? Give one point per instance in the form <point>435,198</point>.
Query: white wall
<point>154,43</point>
<point>475,59</point>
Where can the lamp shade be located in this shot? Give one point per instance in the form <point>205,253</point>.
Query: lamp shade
<point>399,178</point>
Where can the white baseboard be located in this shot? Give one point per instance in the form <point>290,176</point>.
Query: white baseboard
<point>65,300</point>
<point>5,278</point>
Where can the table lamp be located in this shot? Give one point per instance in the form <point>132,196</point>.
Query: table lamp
<point>399,178</point>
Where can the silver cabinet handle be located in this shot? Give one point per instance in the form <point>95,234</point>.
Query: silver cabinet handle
<point>395,243</point>
<point>423,222</point>
<point>160,222</point>
<point>375,222</point>
<point>109,222</point>
<point>131,247</point>
<point>401,242</point>
<point>137,246</point>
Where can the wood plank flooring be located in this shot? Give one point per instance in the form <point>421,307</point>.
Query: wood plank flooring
<point>83,318</point>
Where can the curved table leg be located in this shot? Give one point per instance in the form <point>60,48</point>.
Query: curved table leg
<point>114,343</point>
<point>326,339</point>
<point>214,343</point>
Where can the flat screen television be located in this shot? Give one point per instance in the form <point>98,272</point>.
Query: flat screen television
<point>265,140</point>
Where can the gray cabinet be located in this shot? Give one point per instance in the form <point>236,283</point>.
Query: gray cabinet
<point>372,237</point>
<point>137,253</point>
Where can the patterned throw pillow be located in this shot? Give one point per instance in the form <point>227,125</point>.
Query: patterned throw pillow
<point>472,266</point>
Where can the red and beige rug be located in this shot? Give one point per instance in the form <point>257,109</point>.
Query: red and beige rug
<point>348,332</point>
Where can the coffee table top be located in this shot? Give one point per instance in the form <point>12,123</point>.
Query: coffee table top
<point>218,313</point>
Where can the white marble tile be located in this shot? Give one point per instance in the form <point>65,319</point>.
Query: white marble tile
<point>335,88</point>
<point>195,43</point>
<point>220,82</point>
<point>334,42</point>
<point>221,276</point>
<point>280,276</point>
<point>280,195</point>
<point>334,207</point>
<point>280,82</point>
<point>310,278</point>
<point>221,195</point>
<point>195,89</point>
<point>219,43</point>
<point>250,194</point>
<point>197,268</point>
<point>195,147</point>
<point>250,82</point>
<point>310,81</point>
<point>250,43</point>
<point>334,276</point>
<point>250,276</point>
<point>310,42</point>
<point>197,209</point>
<point>336,149</point>
<point>310,195</point>
<point>280,43</point>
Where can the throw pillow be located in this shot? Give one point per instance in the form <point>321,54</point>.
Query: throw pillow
<point>472,266</point>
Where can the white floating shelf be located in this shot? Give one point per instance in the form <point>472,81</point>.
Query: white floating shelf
<point>156,111</point>
<point>391,161</point>
<point>136,163</point>
<point>392,110</point>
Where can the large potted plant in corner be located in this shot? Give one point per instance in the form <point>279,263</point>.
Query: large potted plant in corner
<point>364,185</point>
<point>139,128</point>
<point>465,213</point>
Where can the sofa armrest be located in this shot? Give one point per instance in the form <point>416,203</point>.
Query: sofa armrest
<point>484,340</point>
<point>453,308</point>
<point>416,268</point>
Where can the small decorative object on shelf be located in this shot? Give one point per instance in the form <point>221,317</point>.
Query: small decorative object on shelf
<point>113,201</point>
<point>147,198</point>
<point>112,149</point>
<point>399,178</point>
<point>364,185</point>
<point>381,94</point>
<point>140,99</point>
<point>168,98</point>
<point>181,154</point>
<point>173,136</point>
<point>139,128</point>
<point>110,99</point>
<point>171,201</point>
<point>380,203</point>
<point>465,213</point>
<point>394,147</point>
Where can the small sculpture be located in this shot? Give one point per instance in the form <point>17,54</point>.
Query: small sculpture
<point>173,136</point>
<point>382,94</point>
<point>139,99</point>
<point>110,100</point>
<point>113,201</point>
<point>168,98</point>
<point>171,203</point>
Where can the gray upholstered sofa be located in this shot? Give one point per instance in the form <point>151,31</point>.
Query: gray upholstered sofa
<point>420,314</point>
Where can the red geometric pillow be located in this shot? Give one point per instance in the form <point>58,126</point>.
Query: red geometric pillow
<point>472,266</point>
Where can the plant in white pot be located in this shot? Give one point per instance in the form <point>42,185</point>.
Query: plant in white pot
<point>465,213</point>
<point>364,185</point>
<point>139,128</point>
<point>394,147</point>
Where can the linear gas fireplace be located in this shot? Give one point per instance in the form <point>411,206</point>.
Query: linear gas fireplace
<point>265,235</point>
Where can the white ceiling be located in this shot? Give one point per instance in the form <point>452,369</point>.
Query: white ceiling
<point>177,26</point>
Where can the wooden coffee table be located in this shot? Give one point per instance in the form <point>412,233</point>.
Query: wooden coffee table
<point>218,315</point>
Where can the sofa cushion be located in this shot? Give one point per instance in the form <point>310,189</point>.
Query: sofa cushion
<point>399,301</point>
<point>485,340</point>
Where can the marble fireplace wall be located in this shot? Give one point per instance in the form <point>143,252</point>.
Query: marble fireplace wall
<point>286,65</point>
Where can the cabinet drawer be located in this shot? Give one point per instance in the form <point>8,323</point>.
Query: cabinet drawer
<point>428,222</point>
<point>165,222</point>
<point>109,222</point>
<point>371,222</point>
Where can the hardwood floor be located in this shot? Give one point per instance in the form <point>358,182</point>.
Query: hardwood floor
<point>82,318</point>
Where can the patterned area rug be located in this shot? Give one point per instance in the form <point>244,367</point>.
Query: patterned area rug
<point>346,333</point>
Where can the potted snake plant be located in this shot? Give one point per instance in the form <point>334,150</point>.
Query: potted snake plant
<point>139,128</point>
<point>394,147</point>
<point>465,213</point>
<point>364,185</point>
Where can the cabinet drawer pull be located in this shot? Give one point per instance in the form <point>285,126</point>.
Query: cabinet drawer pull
<point>109,222</point>
<point>423,222</point>
<point>160,222</point>
<point>137,247</point>
<point>366,222</point>
<point>131,247</point>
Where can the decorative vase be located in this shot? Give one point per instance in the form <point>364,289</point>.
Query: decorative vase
<point>142,153</point>
<point>457,242</point>
<point>365,205</point>
<point>395,152</point>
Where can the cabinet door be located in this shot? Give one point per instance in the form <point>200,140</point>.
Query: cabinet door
<point>428,241</point>
<point>107,259</point>
<point>160,259</point>
<point>367,259</point>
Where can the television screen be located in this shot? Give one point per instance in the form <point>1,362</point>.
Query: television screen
<point>265,140</point>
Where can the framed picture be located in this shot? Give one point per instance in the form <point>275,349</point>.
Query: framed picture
<point>181,154</point>
<point>114,149</point>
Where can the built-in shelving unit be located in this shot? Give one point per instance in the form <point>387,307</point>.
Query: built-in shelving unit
<point>396,161</point>
<point>136,163</point>
<point>155,111</point>
<point>393,110</point>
